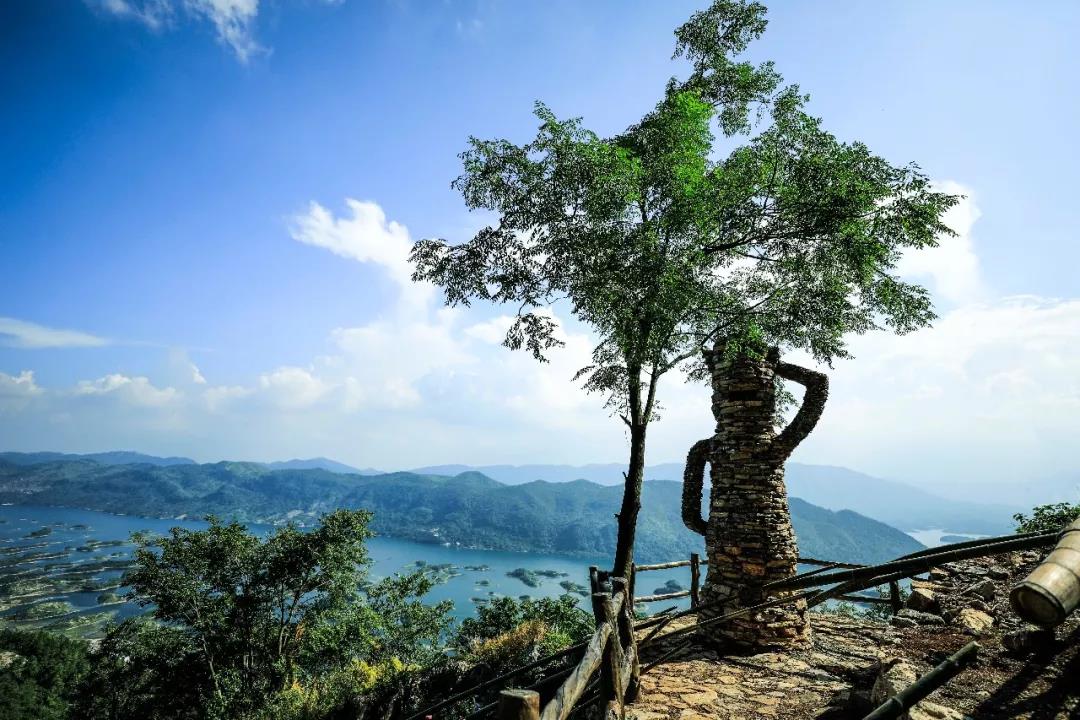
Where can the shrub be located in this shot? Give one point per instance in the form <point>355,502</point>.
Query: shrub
<point>1047,518</point>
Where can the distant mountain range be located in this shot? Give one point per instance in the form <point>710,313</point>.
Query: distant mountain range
<point>116,457</point>
<point>895,503</point>
<point>127,457</point>
<point>469,508</point>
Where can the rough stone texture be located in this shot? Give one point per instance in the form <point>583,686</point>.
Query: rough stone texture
<point>984,589</point>
<point>932,711</point>
<point>920,618</point>
<point>749,540</point>
<point>815,680</point>
<point>894,676</point>
<point>974,622</point>
<point>922,600</point>
<point>833,673</point>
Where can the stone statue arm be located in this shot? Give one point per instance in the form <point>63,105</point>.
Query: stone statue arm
<point>693,484</point>
<point>817,392</point>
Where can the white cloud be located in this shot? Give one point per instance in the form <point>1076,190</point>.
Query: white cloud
<point>136,390</point>
<point>155,14</point>
<point>292,387</point>
<point>22,334</point>
<point>19,386</point>
<point>953,267</point>
<point>988,396</point>
<point>233,20</point>
<point>364,236</point>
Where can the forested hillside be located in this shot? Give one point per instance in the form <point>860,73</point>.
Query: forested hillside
<point>469,509</point>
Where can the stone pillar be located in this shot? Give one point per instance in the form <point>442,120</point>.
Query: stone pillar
<point>748,535</point>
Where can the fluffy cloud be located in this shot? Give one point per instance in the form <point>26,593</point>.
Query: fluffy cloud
<point>292,387</point>
<point>136,391</point>
<point>366,236</point>
<point>952,268</point>
<point>23,334</point>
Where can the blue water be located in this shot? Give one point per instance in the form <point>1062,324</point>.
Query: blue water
<point>72,528</point>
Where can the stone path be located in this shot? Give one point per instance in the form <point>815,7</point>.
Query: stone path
<point>852,664</point>
<point>810,683</point>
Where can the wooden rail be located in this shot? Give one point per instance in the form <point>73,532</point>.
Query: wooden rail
<point>894,599</point>
<point>618,669</point>
<point>610,656</point>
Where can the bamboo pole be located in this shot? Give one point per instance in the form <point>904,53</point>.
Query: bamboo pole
<point>928,683</point>
<point>663,566</point>
<point>664,596</point>
<point>1052,590</point>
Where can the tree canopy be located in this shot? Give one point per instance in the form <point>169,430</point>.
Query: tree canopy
<point>663,243</point>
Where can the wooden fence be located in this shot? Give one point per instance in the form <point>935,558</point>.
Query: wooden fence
<point>613,649</point>
<point>894,599</point>
<point>610,662</point>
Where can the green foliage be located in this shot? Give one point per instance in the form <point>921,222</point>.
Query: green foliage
<point>39,674</point>
<point>247,605</point>
<point>274,627</point>
<point>791,239</point>
<point>666,247</point>
<point>146,670</point>
<point>509,633</point>
<point>1047,518</point>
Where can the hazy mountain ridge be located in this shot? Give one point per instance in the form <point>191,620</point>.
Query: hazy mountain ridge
<point>469,509</point>
<point>894,503</point>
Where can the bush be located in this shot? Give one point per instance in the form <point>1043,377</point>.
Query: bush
<point>1047,518</point>
<point>508,633</point>
<point>39,674</point>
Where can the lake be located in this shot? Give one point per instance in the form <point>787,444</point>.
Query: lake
<point>79,556</point>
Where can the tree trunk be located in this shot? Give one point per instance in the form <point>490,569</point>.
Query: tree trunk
<point>631,502</point>
<point>748,535</point>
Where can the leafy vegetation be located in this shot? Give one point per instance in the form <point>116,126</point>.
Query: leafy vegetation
<point>40,674</point>
<point>283,627</point>
<point>1047,518</point>
<point>664,246</point>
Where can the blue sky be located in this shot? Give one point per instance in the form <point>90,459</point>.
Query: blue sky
<point>213,199</point>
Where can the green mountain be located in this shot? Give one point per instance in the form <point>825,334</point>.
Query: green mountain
<point>116,457</point>
<point>469,509</point>
<point>896,503</point>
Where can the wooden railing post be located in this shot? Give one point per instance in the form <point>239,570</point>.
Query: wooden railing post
<point>630,586</point>
<point>625,626</point>
<point>894,596</point>
<point>695,578</point>
<point>611,688</point>
<point>519,705</point>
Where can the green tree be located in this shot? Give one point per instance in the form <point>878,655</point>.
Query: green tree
<point>1047,518</point>
<point>664,246</point>
<point>40,674</point>
<point>248,609</point>
<point>143,669</point>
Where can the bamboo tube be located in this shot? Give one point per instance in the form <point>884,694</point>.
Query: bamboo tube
<point>1052,590</point>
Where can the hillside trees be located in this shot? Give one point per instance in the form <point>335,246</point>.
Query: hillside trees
<point>248,624</point>
<point>668,244</point>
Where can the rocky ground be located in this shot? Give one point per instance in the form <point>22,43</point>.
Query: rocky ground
<point>853,664</point>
